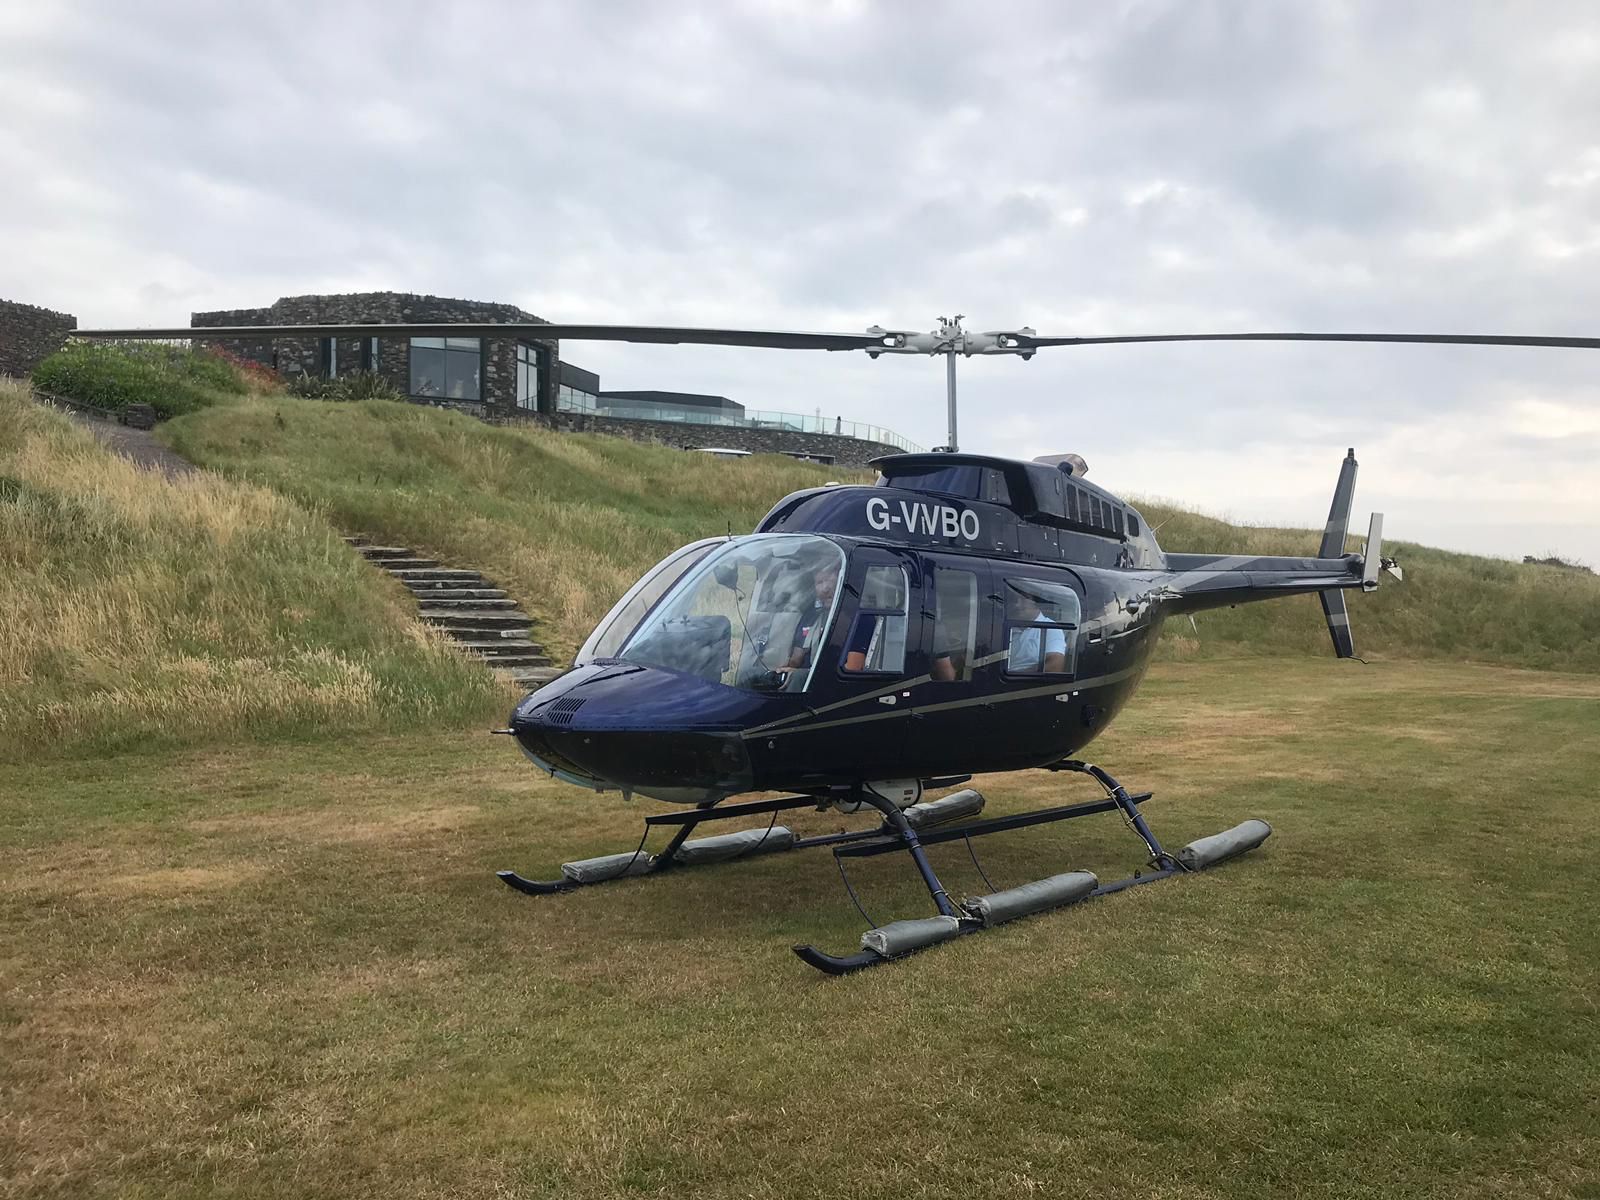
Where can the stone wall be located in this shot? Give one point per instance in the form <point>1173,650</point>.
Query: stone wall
<point>498,386</point>
<point>29,334</point>
<point>847,451</point>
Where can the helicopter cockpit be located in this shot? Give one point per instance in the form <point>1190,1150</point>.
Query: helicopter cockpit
<point>750,614</point>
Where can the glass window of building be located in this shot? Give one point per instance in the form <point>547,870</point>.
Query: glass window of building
<point>530,364</point>
<point>449,368</point>
<point>571,399</point>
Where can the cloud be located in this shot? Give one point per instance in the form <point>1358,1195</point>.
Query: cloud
<point>1138,167</point>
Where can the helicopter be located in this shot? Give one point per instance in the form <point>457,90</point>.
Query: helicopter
<point>867,646</point>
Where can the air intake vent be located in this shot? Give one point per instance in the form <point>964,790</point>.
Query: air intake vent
<point>562,710</point>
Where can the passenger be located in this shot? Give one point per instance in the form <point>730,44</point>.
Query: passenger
<point>1033,651</point>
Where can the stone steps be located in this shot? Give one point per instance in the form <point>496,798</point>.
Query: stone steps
<point>500,647</point>
<point>477,618</point>
<point>469,609</point>
<point>432,595</point>
<point>434,604</point>
<point>437,575</point>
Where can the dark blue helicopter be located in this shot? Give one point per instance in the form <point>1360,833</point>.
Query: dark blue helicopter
<point>867,645</point>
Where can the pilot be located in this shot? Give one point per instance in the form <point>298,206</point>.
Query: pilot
<point>1033,651</point>
<point>825,584</point>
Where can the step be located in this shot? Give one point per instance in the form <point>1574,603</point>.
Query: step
<point>475,633</point>
<point>433,604</point>
<point>431,595</point>
<point>394,565</point>
<point>500,647</point>
<point>357,539</point>
<point>517,663</point>
<point>387,552</point>
<point>479,619</point>
<point>422,587</point>
<point>441,574</point>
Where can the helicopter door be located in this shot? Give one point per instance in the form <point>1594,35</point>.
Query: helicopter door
<point>860,669</point>
<point>952,720</point>
<point>1042,612</point>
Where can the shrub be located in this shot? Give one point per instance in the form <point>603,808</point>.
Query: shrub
<point>170,379</point>
<point>360,385</point>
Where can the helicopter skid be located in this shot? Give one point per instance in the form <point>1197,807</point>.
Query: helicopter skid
<point>681,852</point>
<point>899,939</point>
<point>831,964</point>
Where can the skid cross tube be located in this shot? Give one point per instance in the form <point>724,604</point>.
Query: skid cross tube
<point>696,815</point>
<point>1158,857</point>
<point>993,825</point>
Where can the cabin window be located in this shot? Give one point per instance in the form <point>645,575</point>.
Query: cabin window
<point>752,615</point>
<point>1042,622</point>
<point>877,641</point>
<point>955,624</point>
<point>1133,525</point>
<point>625,615</point>
<point>964,482</point>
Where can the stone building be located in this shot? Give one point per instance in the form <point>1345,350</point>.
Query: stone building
<point>490,376</point>
<point>29,335</point>
<point>518,377</point>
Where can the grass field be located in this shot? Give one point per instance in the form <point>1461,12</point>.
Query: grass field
<point>288,970</point>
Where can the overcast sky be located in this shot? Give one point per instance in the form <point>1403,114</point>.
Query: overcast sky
<point>1083,169</point>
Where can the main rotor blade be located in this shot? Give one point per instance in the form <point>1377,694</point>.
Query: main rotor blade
<point>1449,339</point>
<point>662,334</point>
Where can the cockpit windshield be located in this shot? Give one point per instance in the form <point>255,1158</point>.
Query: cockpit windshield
<point>753,615</point>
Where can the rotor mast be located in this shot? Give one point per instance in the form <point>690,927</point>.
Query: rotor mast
<point>951,329</point>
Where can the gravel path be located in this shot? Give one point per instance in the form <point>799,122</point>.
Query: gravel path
<point>140,446</point>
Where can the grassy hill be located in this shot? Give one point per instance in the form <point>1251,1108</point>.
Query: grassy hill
<point>567,522</point>
<point>140,611</point>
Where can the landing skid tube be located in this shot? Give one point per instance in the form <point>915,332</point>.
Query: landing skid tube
<point>681,852</point>
<point>901,938</point>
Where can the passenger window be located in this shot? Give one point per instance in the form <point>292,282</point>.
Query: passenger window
<point>1041,627</point>
<point>877,642</point>
<point>955,624</point>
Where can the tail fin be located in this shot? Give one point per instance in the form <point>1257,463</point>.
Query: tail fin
<point>1333,538</point>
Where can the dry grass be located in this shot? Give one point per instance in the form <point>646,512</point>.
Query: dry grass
<point>143,610</point>
<point>288,971</point>
<point>565,522</point>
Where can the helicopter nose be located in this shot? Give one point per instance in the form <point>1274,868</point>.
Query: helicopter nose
<point>639,729</point>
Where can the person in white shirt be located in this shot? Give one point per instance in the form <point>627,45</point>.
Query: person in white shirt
<point>1034,651</point>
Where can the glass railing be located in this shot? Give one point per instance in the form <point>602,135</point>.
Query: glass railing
<point>749,419</point>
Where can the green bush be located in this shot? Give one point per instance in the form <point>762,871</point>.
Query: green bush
<point>361,385</point>
<point>113,375</point>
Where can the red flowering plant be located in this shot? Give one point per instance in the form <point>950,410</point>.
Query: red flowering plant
<point>258,377</point>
